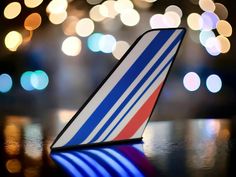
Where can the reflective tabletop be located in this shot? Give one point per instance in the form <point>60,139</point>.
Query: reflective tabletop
<point>192,147</point>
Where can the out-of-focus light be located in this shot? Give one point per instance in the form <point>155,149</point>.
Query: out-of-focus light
<point>13,166</point>
<point>142,4</point>
<point>93,42</point>
<point>13,40</point>
<point>65,115</point>
<point>12,10</point>
<point>5,83</point>
<point>84,27</point>
<point>172,19</point>
<point>157,21</point>
<point>214,83</point>
<point>57,18</point>
<point>71,46</point>
<point>194,21</point>
<point>33,21</point>
<point>224,28</point>
<point>107,43</point>
<point>120,49</point>
<point>213,46</point>
<point>123,5</point>
<point>69,25</point>
<point>150,1</point>
<point>210,19</point>
<point>205,35</point>
<point>224,43</point>
<point>57,6</point>
<point>221,11</point>
<point>25,81</point>
<point>111,11</point>
<point>176,9</point>
<point>39,80</point>
<point>207,5</point>
<point>95,14</point>
<point>191,81</point>
<point>32,4</point>
<point>103,10</point>
<point>130,17</point>
<point>93,2</point>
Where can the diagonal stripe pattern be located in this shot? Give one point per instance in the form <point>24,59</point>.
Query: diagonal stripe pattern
<point>125,101</point>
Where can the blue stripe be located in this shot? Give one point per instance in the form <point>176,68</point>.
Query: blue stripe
<point>121,86</point>
<point>137,87</point>
<point>138,98</point>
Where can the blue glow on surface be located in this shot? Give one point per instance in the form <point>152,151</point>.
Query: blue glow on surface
<point>25,81</point>
<point>93,163</point>
<point>80,164</point>
<point>5,83</point>
<point>113,164</point>
<point>127,164</point>
<point>107,43</point>
<point>67,166</point>
<point>93,42</point>
<point>39,80</point>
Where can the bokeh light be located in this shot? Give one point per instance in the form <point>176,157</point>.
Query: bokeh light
<point>130,17</point>
<point>13,40</point>
<point>194,21</point>
<point>71,46</point>
<point>5,83</point>
<point>111,11</point>
<point>210,20</point>
<point>93,42</point>
<point>107,43</point>
<point>69,25</point>
<point>123,5</point>
<point>84,27</point>
<point>157,21</point>
<point>93,2</point>
<point>214,83</point>
<point>25,81</point>
<point>191,81</point>
<point>224,28</point>
<point>221,11</point>
<point>120,49</point>
<point>176,9</point>
<point>205,35</point>
<point>39,80</point>
<point>57,6</point>
<point>57,18</point>
<point>32,3</point>
<point>207,5</point>
<point>95,14</point>
<point>223,43</point>
<point>172,19</point>
<point>33,21</point>
<point>213,46</point>
<point>13,166</point>
<point>12,10</point>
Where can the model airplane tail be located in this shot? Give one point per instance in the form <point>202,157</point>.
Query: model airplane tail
<point>121,107</point>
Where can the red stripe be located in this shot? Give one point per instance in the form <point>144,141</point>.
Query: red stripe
<point>140,117</point>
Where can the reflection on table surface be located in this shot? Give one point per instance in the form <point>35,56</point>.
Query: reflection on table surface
<point>194,147</point>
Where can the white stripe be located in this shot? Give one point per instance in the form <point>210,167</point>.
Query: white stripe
<point>106,88</point>
<point>131,87</point>
<point>138,105</point>
<point>139,132</point>
<point>168,57</point>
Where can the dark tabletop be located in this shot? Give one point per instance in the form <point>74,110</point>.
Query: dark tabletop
<point>192,147</point>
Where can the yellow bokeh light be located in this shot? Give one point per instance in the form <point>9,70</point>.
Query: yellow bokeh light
<point>130,17</point>
<point>71,46</point>
<point>172,19</point>
<point>95,14</point>
<point>221,11</point>
<point>224,44</point>
<point>142,4</point>
<point>57,18</point>
<point>207,5</point>
<point>13,166</point>
<point>176,9</point>
<point>94,2</point>
<point>194,21</point>
<point>84,27</point>
<point>123,5</point>
<point>224,28</point>
<point>69,25</point>
<point>120,49</point>
<point>110,5</point>
<point>103,10</point>
<point>32,3</point>
<point>13,40</point>
<point>12,10</point>
<point>33,21</point>
<point>57,6</point>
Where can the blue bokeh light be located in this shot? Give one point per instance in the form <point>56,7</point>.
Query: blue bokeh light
<point>93,42</point>
<point>5,83</point>
<point>25,80</point>
<point>39,80</point>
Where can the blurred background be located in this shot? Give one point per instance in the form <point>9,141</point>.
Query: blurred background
<point>55,53</point>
